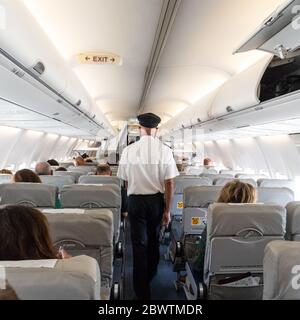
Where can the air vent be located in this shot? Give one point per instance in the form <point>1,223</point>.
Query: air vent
<point>39,68</point>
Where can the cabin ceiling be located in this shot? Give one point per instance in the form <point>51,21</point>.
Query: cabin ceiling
<point>197,57</point>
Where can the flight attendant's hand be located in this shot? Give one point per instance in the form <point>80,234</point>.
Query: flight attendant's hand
<point>166,218</point>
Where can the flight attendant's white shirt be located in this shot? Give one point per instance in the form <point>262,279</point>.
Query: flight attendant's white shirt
<point>146,164</point>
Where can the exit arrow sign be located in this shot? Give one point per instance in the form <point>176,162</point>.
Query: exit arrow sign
<point>99,58</point>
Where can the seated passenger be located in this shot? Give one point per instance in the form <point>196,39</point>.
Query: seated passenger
<point>5,171</point>
<point>233,192</point>
<point>61,169</point>
<point>43,169</point>
<point>207,162</point>
<point>26,175</point>
<point>79,161</point>
<point>104,170</point>
<point>88,160</point>
<point>53,162</point>
<point>24,235</point>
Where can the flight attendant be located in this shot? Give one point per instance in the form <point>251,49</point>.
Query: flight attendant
<point>148,167</point>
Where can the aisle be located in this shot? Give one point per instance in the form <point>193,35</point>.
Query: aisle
<point>162,284</point>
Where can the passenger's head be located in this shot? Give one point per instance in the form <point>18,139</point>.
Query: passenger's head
<point>148,123</point>
<point>179,167</point>
<point>79,161</point>
<point>26,175</point>
<point>5,171</point>
<point>43,169</point>
<point>103,170</point>
<point>61,169</point>
<point>207,162</point>
<point>53,162</point>
<point>237,192</point>
<point>24,234</point>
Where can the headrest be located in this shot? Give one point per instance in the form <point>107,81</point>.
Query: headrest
<point>32,194</point>
<point>281,267</point>
<point>225,219</point>
<point>99,180</point>
<point>74,175</point>
<point>201,196</point>
<point>280,196</point>
<point>77,278</point>
<point>222,181</point>
<point>293,218</point>
<point>82,169</point>
<point>58,181</point>
<point>250,176</point>
<point>92,228</point>
<point>183,182</point>
<point>276,183</point>
<point>91,196</point>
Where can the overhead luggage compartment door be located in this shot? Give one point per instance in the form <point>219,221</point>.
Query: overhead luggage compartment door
<point>279,34</point>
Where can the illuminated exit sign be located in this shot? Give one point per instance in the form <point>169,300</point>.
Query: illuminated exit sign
<point>99,58</point>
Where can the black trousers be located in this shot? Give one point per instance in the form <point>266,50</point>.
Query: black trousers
<point>145,214</point>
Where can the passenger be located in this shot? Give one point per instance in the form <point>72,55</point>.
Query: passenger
<point>43,169</point>
<point>148,167</point>
<point>26,175</point>
<point>5,171</point>
<point>233,192</point>
<point>53,162</point>
<point>207,162</point>
<point>24,235</point>
<point>61,169</point>
<point>88,160</point>
<point>105,170</point>
<point>79,161</point>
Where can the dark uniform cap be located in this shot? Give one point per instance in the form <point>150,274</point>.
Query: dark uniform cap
<point>149,120</point>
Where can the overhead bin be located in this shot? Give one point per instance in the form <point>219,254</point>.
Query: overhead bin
<point>241,91</point>
<point>279,33</point>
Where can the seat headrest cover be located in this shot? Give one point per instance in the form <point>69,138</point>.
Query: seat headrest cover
<point>223,181</point>
<point>200,196</point>
<point>34,194</point>
<point>100,196</point>
<point>185,181</point>
<point>230,219</point>
<point>280,196</point>
<point>92,179</point>
<point>281,267</point>
<point>276,183</point>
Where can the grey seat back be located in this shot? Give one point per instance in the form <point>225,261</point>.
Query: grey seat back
<point>200,196</point>
<point>88,232</point>
<point>231,172</point>
<point>29,194</point>
<point>58,181</point>
<point>92,179</point>
<point>66,164</point>
<point>181,183</point>
<point>77,278</point>
<point>276,183</point>
<point>223,181</point>
<point>194,171</point>
<point>82,169</point>
<point>237,235</point>
<point>293,221</point>
<point>87,196</point>
<point>236,238</point>
<point>215,176</point>
<point>280,196</point>
<point>5,178</point>
<point>281,271</point>
<point>75,175</point>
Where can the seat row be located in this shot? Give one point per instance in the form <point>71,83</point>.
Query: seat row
<point>89,222</point>
<point>246,255</point>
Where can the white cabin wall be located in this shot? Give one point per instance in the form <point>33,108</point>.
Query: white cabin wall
<point>21,148</point>
<point>275,155</point>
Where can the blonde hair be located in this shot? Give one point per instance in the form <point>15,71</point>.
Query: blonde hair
<point>237,192</point>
